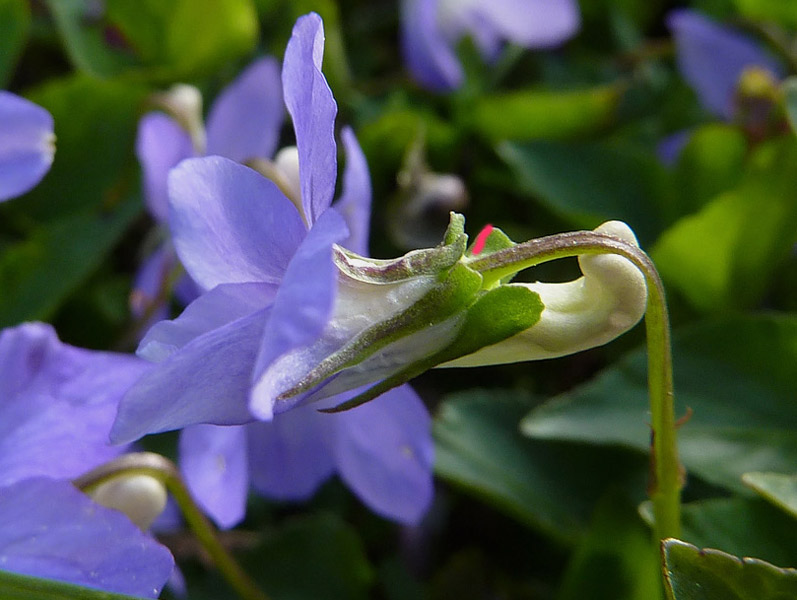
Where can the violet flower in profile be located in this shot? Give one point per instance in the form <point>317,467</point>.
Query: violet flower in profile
<point>57,404</point>
<point>431,29</point>
<point>26,144</point>
<point>262,248</point>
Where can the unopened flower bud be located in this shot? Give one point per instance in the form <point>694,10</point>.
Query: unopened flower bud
<point>184,103</point>
<point>141,497</point>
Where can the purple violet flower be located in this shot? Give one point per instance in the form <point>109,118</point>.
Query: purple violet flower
<point>712,58</point>
<point>57,404</point>
<point>26,144</point>
<point>432,28</point>
<point>243,124</point>
<point>263,252</point>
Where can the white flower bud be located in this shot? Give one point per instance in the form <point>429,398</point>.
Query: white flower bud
<point>607,301</point>
<point>141,497</point>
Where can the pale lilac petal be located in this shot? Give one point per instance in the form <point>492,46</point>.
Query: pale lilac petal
<point>355,201</point>
<point>207,381</point>
<point>301,309</point>
<point>246,118</point>
<point>385,453</point>
<point>312,109</point>
<point>291,456</point>
<point>528,23</point>
<point>57,403</point>
<point>711,58</point>
<point>222,305</point>
<point>214,463</point>
<point>26,144</point>
<point>430,58</point>
<point>149,283</point>
<point>49,529</point>
<point>160,145</point>
<point>231,224</point>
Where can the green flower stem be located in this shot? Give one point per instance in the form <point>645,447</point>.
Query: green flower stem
<point>666,472</point>
<point>164,470</point>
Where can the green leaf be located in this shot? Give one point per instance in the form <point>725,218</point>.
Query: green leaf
<point>711,162</point>
<point>22,587</point>
<point>38,273</point>
<point>779,489</point>
<point>737,375</point>
<point>312,558</point>
<point>615,559</point>
<point>694,574</point>
<point>589,183</point>
<point>723,256</point>
<point>745,527</point>
<point>94,167</point>
<point>543,114</point>
<point>156,40</point>
<point>14,28</point>
<point>790,91</point>
<point>783,13</point>
<point>479,447</point>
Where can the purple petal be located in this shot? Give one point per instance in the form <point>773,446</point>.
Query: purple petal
<point>222,305</point>
<point>246,118</point>
<point>149,283</point>
<point>301,310</point>
<point>428,54</point>
<point>385,453</point>
<point>528,23</point>
<point>231,224</point>
<point>711,59</point>
<point>57,403</point>
<point>160,145</point>
<point>291,456</point>
<point>312,109</point>
<point>26,144</point>
<point>49,529</point>
<point>207,381</point>
<point>355,202</point>
<point>214,462</point>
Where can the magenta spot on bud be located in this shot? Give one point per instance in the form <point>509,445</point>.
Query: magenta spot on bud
<point>481,239</point>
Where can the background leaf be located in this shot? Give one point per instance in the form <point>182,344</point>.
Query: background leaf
<point>480,448</point>
<point>694,574</point>
<point>779,489</point>
<point>589,183</point>
<point>724,255</point>
<point>14,28</point>
<point>736,373</point>
<point>544,114</point>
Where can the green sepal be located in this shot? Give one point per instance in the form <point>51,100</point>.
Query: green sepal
<point>445,299</point>
<point>429,261</point>
<point>497,240</point>
<point>497,315</point>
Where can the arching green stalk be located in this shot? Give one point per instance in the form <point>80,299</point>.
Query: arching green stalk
<point>666,473</point>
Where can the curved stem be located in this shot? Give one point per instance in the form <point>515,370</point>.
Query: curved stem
<point>666,473</point>
<point>165,471</point>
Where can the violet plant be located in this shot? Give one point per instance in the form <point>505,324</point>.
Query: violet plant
<point>290,362</point>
